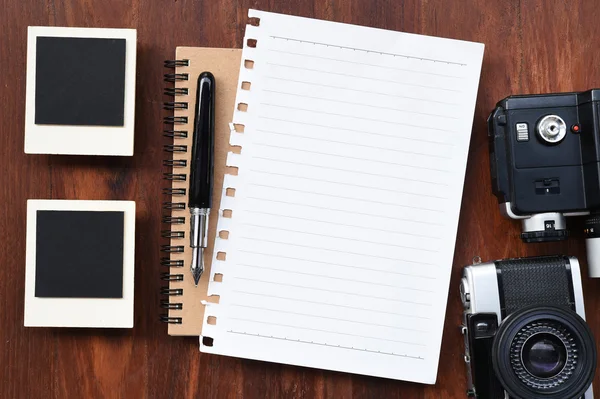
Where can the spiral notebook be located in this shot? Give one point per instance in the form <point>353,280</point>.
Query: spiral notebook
<point>183,308</point>
<point>340,205</point>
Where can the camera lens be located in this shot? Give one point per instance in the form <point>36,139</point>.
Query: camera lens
<point>544,352</point>
<point>544,355</point>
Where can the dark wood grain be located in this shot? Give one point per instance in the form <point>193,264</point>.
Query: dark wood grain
<point>531,46</point>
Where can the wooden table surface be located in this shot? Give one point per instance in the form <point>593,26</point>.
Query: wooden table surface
<point>531,46</point>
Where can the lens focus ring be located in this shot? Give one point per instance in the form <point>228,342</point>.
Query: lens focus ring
<point>517,355</point>
<point>574,363</point>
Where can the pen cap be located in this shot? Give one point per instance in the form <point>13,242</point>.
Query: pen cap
<point>201,167</point>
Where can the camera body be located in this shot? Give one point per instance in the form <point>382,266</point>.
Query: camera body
<point>545,164</point>
<point>524,330</point>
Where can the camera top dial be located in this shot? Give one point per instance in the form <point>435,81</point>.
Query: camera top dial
<point>552,129</point>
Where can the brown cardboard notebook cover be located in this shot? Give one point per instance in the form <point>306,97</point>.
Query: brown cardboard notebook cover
<point>224,64</point>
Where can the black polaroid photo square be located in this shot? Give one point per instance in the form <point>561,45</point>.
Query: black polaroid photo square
<point>79,254</point>
<point>80,91</point>
<point>79,81</point>
<point>79,263</point>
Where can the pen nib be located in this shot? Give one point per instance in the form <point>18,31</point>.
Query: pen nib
<point>197,264</point>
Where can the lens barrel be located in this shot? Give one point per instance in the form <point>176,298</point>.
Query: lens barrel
<point>544,227</point>
<point>544,352</point>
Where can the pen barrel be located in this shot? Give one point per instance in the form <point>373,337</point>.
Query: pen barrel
<point>201,170</point>
<point>199,227</point>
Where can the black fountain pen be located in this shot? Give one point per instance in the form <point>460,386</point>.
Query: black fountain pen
<point>201,174</point>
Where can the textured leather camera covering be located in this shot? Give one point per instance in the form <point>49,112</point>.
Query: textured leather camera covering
<point>535,281</point>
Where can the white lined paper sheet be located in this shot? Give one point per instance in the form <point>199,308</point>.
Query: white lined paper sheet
<point>343,219</point>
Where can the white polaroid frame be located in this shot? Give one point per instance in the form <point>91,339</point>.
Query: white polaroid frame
<point>80,312</point>
<point>81,140</point>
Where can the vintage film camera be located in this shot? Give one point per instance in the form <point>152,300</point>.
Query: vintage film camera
<point>524,330</point>
<point>545,164</point>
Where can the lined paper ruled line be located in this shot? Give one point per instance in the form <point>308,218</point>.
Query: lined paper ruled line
<point>420,195</point>
<point>371,51</point>
<point>348,198</point>
<point>332,305</point>
<point>326,331</point>
<point>344,211</point>
<point>422,154</point>
<point>360,90</point>
<point>324,344</point>
<point>344,224</point>
<point>349,75</point>
<point>355,145</point>
<point>361,104</point>
<point>362,241</point>
<point>327,317</point>
<point>353,171</point>
<point>338,264</point>
<point>315,111</point>
<point>394,136</point>
<point>333,291</point>
<point>367,64</point>
<point>338,251</point>
<point>333,278</point>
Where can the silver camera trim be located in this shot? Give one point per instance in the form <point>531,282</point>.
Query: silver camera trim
<point>480,285</point>
<point>506,211</point>
<point>480,293</point>
<point>536,222</point>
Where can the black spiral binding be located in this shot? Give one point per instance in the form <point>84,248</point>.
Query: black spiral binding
<point>170,191</point>
<point>175,134</point>
<point>175,176</point>
<point>172,234</point>
<point>172,131</point>
<point>168,262</point>
<point>175,163</point>
<point>173,220</point>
